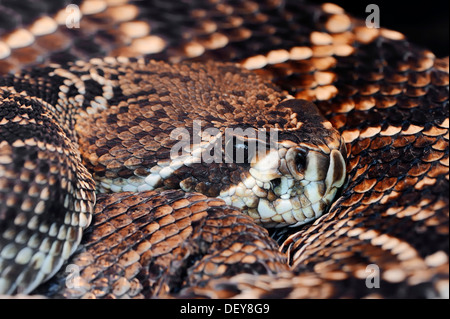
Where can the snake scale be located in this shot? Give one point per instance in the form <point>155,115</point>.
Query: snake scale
<point>92,205</point>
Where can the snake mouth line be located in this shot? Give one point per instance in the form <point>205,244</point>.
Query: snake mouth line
<point>296,189</point>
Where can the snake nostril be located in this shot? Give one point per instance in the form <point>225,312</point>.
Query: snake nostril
<point>276,182</point>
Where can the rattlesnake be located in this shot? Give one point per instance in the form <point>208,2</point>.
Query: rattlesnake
<point>98,113</point>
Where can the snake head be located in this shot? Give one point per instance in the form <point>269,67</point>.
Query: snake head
<point>297,178</point>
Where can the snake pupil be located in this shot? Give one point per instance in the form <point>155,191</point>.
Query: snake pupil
<point>240,151</point>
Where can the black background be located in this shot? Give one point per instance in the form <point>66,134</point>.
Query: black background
<point>425,22</point>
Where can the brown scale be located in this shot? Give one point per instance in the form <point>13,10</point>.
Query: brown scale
<point>169,100</point>
<point>182,240</point>
<point>41,175</point>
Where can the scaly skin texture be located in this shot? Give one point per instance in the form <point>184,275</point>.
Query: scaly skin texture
<point>387,98</point>
<point>121,115</point>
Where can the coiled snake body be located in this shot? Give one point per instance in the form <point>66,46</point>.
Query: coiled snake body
<point>85,153</point>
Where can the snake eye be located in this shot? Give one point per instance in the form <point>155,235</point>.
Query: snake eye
<point>240,152</point>
<point>237,150</point>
